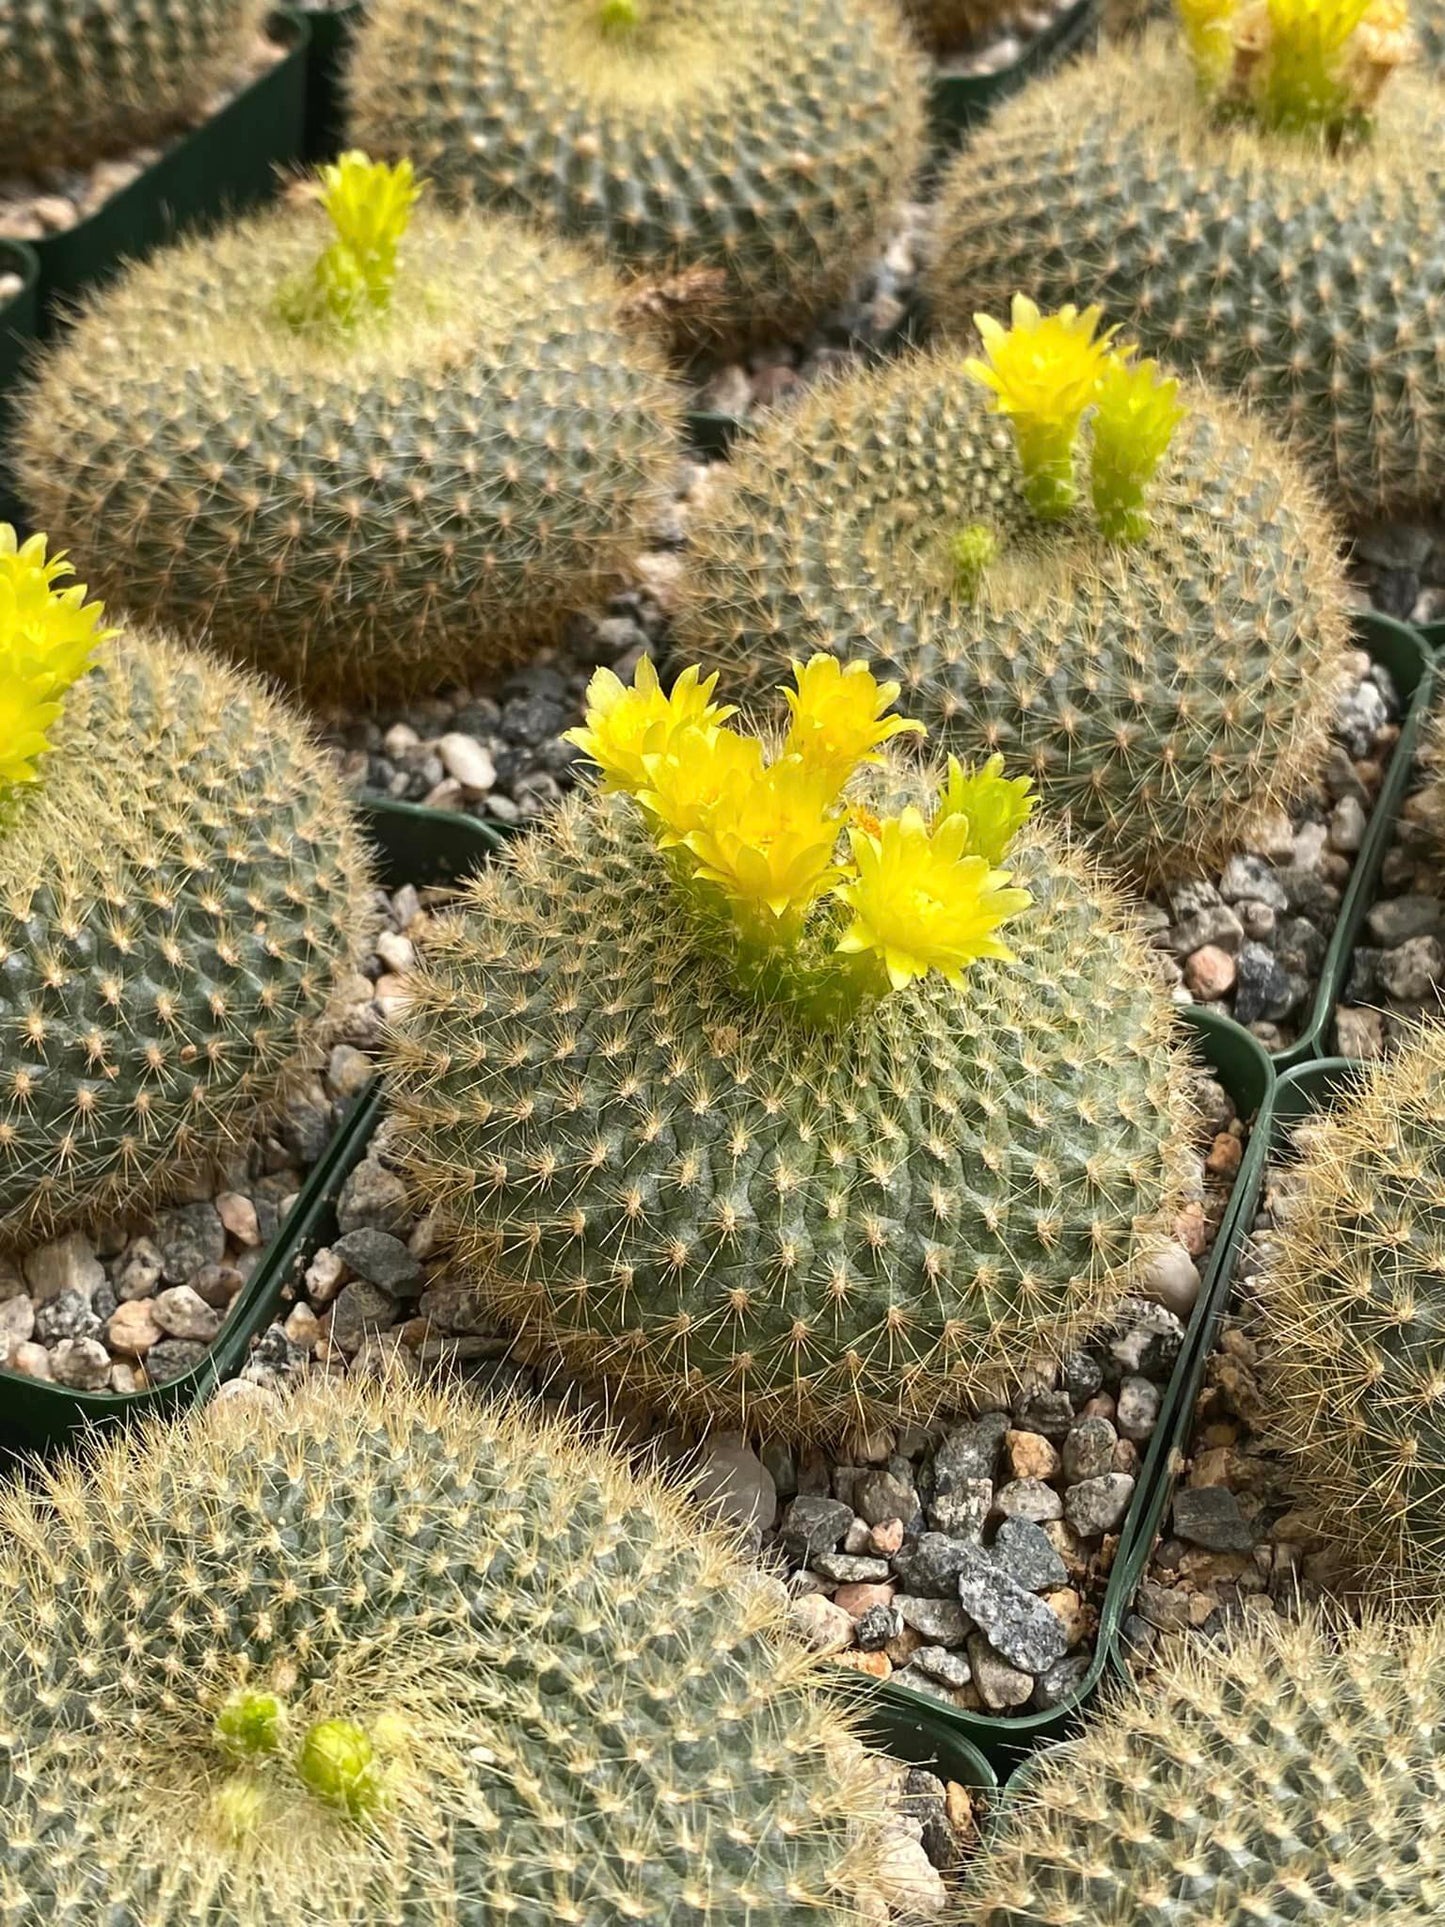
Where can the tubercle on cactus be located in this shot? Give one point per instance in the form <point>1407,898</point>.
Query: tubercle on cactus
<point>1296,65</point>
<point>1046,373</point>
<point>370,205</point>
<point>754,837</point>
<point>48,636</point>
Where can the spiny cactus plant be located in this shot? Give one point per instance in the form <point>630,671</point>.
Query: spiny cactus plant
<point>1158,650</point>
<point>366,457</point>
<point>787,1087</point>
<point>1292,1775</point>
<point>943,25</point>
<point>1247,199</point>
<point>760,145</point>
<point>82,78</point>
<point>181,889</point>
<point>1352,1311</point>
<point>385,1656</point>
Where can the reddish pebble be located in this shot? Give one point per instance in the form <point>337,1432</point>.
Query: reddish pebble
<point>1209,972</point>
<point>858,1598</point>
<point>1224,1157</point>
<point>887,1537</point>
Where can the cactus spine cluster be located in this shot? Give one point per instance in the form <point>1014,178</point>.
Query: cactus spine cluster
<point>760,146</point>
<point>1294,1775</point>
<point>82,78</point>
<point>734,1199</point>
<point>1291,257</point>
<point>365,457</point>
<point>1352,1311</point>
<point>375,1655</point>
<point>1161,657</point>
<point>182,889</point>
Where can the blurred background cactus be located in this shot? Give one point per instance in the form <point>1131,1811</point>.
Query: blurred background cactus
<point>374,1655</point>
<point>1290,1773</point>
<point>1060,554</point>
<point>758,146</point>
<point>83,78</point>
<point>182,894</point>
<point>742,1188</point>
<point>1351,1313</point>
<point>366,451</point>
<point>1246,194</point>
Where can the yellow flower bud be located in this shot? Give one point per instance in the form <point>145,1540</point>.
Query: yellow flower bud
<point>838,720</point>
<point>994,806</point>
<point>370,204</point>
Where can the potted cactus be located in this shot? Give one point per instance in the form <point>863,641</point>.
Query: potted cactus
<point>372,452</point>
<point>1257,196</point>
<point>786,1082</point>
<point>1110,576</point>
<point>741,158</point>
<point>86,83</point>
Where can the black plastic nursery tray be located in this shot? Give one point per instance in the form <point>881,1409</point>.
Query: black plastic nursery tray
<point>958,102</point>
<point>331,33</point>
<point>412,845</point>
<point>19,321</point>
<point>222,167</point>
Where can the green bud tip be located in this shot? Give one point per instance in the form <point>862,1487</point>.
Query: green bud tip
<point>338,1763</point>
<point>251,1723</point>
<point>619,16</point>
<point>971,551</point>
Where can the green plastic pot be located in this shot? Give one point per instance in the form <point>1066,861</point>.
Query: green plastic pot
<point>1433,634</point>
<point>918,1734</point>
<point>1243,1068</point>
<point>220,168</point>
<point>331,33</point>
<point>19,321</point>
<point>958,102</point>
<point>1406,654</point>
<point>413,846</point>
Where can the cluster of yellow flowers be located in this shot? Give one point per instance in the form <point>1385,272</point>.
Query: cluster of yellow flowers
<point>1294,64</point>
<point>47,638</point>
<point>771,838</point>
<point>370,205</point>
<point>1044,373</point>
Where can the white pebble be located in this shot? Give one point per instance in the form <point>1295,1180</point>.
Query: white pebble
<point>464,758</point>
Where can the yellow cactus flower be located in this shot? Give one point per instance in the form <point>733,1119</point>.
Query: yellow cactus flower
<point>370,204</point>
<point>625,726</point>
<point>920,903</point>
<point>770,849</point>
<point>701,771</point>
<point>1315,63</point>
<point>1207,34</point>
<point>1043,371</point>
<point>994,806</point>
<point>838,720</point>
<point>1138,411</point>
<point>48,636</point>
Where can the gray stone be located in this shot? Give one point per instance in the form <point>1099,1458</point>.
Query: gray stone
<point>941,1662</point>
<point>1262,988</point>
<point>306,1126</point>
<point>183,1313</point>
<point>879,1496</point>
<point>1089,1450</point>
<point>81,1363</point>
<point>970,1452</point>
<point>1148,1339</point>
<point>876,1627</point>
<point>1096,1506</point>
<point>849,1569</point>
<point>1048,1413</point>
<point>361,1310</point>
<point>734,1482</point>
<point>17,1322</point>
<point>349,1071</point>
<point>962,1511</point>
<point>172,1357</point>
<point>1029,1499</point>
<point>943,1621</point>
<point>1348,823</point>
<point>217,1284</point>
<point>1061,1682</point>
<point>140,1270</point>
<point>1138,1404</point>
<point>189,1237</point>
<point>782,1467</point>
<point>1022,1629</point>
<point>68,1264</point>
<point>380,1258</point>
<point>452,1305</point>
<point>1027,1554</point>
<point>932,1564</point>
<point>1001,1686</point>
<point>1083,1375</point>
<point>1394,920</point>
<point>814,1524</point>
<point>1411,971</point>
<point>70,1315</point>
<point>917,1681</point>
<point>1253,878</point>
<point>375,1199</point>
<point>1209,1516</point>
<point>1216,924</point>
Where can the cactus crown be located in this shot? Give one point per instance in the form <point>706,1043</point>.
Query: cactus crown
<point>1045,372</point>
<point>1296,65</point>
<point>820,905</point>
<point>47,638</point>
<point>370,205</point>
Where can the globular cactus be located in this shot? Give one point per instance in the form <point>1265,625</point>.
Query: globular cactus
<point>367,467</point>
<point>83,78</point>
<point>1289,250</point>
<point>695,1130</point>
<point>1293,1775</point>
<point>384,1656</point>
<point>745,154</point>
<point>1162,660</point>
<point>182,894</point>
<point>943,25</point>
<point>1352,1312</point>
